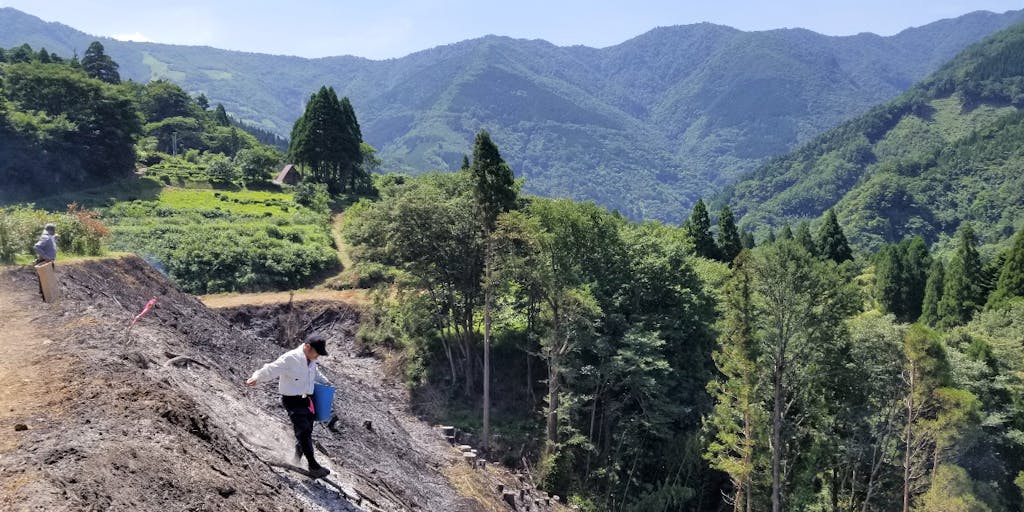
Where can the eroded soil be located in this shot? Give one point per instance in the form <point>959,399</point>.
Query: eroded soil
<point>119,420</point>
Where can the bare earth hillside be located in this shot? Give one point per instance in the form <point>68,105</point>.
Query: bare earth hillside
<point>95,418</point>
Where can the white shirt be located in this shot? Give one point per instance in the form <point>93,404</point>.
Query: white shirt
<point>297,375</point>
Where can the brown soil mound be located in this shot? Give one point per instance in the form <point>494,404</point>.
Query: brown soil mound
<point>95,418</point>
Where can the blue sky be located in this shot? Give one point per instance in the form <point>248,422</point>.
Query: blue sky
<point>379,29</point>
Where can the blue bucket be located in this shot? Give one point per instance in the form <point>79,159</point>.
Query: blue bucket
<point>322,397</point>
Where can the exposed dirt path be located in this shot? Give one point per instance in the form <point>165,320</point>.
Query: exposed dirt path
<point>29,373</point>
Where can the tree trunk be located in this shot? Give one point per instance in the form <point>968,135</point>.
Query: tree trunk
<point>908,441</point>
<point>777,406</point>
<point>487,371</point>
<point>748,458</point>
<point>552,420</point>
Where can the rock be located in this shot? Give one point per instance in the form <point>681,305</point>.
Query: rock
<point>18,427</point>
<point>225,492</point>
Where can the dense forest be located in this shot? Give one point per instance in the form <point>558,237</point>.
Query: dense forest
<point>946,151</point>
<point>671,367</point>
<point>827,365</point>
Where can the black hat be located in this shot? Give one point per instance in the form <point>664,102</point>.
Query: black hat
<point>318,343</point>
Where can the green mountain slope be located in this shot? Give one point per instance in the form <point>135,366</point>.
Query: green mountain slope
<point>645,126</point>
<point>949,150</point>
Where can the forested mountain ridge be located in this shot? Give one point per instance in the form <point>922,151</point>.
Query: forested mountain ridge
<point>645,126</point>
<point>946,151</point>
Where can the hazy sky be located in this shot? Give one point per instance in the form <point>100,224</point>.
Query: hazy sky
<point>380,29</point>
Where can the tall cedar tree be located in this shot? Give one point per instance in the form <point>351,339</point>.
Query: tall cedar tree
<point>1011,279</point>
<point>220,116</point>
<point>916,264</point>
<point>889,281</point>
<point>747,239</point>
<point>832,243</point>
<point>327,140</point>
<point>933,293</point>
<point>493,184</point>
<point>99,65</point>
<point>738,418</point>
<point>804,238</point>
<point>698,226</point>
<point>494,189</point>
<point>961,294</point>
<point>729,242</point>
<point>786,233</point>
<point>350,147</point>
<point>901,272</point>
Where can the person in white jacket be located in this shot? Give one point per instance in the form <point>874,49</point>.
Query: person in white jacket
<point>296,371</point>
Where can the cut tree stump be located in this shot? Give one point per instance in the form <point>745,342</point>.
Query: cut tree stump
<point>510,498</point>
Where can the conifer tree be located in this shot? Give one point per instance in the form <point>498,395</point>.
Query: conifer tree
<point>803,237</point>
<point>729,242</point>
<point>99,65</point>
<point>786,233</point>
<point>350,145</point>
<point>933,293</point>
<point>328,141</point>
<point>1011,278</point>
<point>494,185</point>
<point>889,281</point>
<point>739,418</point>
<point>917,261</point>
<point>747,239</point>
<point>832,243</point>
<point>220,116</point>
<point>961,293</point>
<point>698,227</point>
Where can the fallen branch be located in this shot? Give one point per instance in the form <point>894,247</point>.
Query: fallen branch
<point>355,498</point>
<point>178,360</point>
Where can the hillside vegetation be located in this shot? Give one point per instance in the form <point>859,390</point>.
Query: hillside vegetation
<point>947,151</point>
<point>644,127</point>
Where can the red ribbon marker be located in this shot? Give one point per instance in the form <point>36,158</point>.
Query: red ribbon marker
<point>149,305</point>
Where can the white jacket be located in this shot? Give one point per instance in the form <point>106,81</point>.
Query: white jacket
<point>296,375</point>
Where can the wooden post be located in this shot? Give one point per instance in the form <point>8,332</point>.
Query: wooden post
<point>510,498</point>
<point>48,282</point>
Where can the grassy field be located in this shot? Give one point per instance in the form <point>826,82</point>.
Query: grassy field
<point>226,241</point>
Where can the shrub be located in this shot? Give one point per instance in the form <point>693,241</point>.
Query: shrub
<point>79,230</point>
<point>313,196</point>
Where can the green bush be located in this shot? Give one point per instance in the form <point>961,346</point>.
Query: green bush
<point>79,231</point>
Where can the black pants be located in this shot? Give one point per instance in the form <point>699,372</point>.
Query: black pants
<point>302,423</point>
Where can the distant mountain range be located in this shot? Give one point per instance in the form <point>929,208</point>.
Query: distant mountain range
<point>949,150</point>
<point>644,127</point>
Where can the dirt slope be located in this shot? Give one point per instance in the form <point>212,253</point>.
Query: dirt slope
<point>118,422</point>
